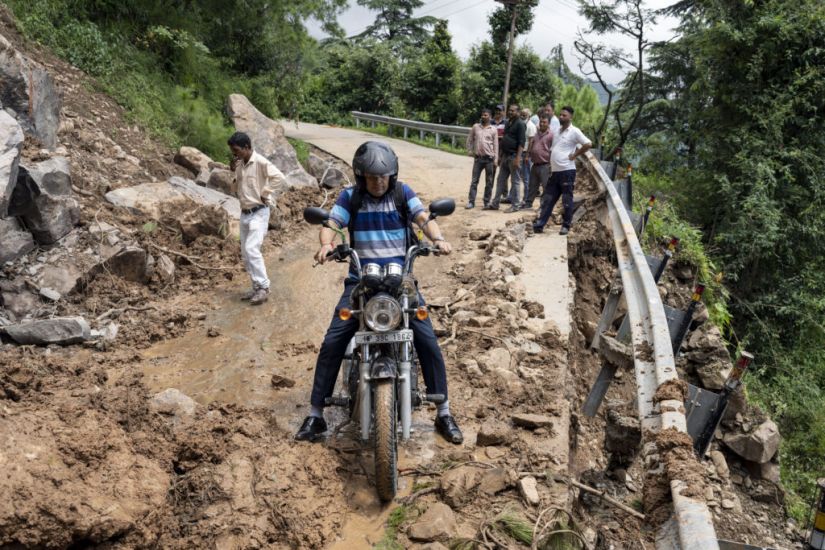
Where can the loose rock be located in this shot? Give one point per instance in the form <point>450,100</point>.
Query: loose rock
<point>58,330</point>
<point>493,432</point>
<point>758,446</point>
<point>437,524</point>
<point>532,421</point>
<point>528,488</point>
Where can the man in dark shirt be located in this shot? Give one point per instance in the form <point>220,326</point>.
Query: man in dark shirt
<point>512,145</point>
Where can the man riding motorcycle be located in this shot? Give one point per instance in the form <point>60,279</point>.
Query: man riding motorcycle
<point>376,213</point>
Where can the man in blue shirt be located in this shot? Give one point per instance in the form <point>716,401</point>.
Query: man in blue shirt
<point>379,235</point>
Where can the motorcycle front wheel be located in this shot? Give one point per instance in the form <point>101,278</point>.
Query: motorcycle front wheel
<point>386,451</point>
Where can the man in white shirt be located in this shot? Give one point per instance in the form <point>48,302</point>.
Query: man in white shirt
<point>555,125</point>
<point>257,181</point>
<point>568,144</point>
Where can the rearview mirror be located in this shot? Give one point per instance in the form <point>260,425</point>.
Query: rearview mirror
<point>315,215</point>
<point>442,207</point>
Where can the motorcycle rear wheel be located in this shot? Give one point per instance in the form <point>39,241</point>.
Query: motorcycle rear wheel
<point>386,450</point>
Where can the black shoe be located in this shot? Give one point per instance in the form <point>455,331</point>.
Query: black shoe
<point>470,205</point>
<point>449,430</point>
<point>513,209</point>
<point>564,230</point>
<point>490,207</point>
<point>537,229</point>
<point>311,429</point>
<point>506,201</point>
<point>526,206</point>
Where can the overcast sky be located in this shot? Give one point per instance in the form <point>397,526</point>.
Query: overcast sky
<point>556,22</point>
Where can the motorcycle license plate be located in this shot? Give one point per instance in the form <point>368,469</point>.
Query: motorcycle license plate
<point>383,337</point>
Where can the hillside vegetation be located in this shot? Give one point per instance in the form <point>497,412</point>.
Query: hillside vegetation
<point>730,135</point>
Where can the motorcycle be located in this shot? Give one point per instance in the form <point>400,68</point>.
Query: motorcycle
<point>380,369</point>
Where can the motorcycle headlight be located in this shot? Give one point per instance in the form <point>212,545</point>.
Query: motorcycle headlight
<point>382,313</point>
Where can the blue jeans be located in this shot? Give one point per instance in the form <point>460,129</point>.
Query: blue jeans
<point>560,185</point>
<point>341,332</point>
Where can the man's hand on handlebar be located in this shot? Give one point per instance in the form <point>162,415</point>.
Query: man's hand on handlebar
<point>321,255</point>
<point>443,247</point>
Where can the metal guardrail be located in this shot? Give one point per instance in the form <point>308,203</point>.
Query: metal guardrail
<point>653,360</point>
<point>423,128</point>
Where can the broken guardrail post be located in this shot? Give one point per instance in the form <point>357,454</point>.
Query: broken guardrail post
<point>816,538</point>
<point>688,317</point>
<point>648,209</point>
<point>705,408</point>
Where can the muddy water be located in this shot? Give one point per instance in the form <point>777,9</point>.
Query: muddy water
<point>255,342</point>
<point>281,337</point>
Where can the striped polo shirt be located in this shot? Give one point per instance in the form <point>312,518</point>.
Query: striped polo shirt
<point>380,235</point>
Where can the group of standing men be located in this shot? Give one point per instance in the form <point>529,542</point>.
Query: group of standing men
<point>532,154</point>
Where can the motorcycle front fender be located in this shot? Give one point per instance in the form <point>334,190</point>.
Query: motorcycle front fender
<point>383,368</point>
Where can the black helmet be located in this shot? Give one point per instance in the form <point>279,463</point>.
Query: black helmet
<point>374,157</point>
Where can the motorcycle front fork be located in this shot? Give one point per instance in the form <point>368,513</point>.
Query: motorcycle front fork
<point>403,386</point>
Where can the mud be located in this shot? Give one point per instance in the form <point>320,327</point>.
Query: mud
<point>91,463</point>
<point>672,390</point>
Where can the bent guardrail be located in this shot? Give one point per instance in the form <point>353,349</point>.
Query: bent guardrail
<point>423,128</point>
<point>653,361</point>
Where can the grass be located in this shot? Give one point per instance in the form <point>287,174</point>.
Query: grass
<point>397,517</point>
<point>664,224</point>
<point>302,149</point>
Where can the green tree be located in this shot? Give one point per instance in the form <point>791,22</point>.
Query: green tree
<point>531,80</point>
<point>395,23</point>
<point>740,100</point>
<point>429,84</point>
<point>628,18</point>
<point>501,19</point>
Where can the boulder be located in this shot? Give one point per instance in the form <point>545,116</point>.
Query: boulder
<point>532,421</point>
<point>268,139</point>
<point>58,330</point>
<point>713,375</point>
<point>28,90</point>
<point>16,298</point>
<point>494,359</point>
<point>759,446</point>
<point>42,198</point>
<point>192,159</point>
<point>172,402</point>
<point>155,199</point>
<point>14,241</point>
<point>204,220</point>
<point>458,485</point>
<point>479,234</point>
<point>63,276</point>
<point>131,263</point>
<point>11,143</point>
<point>330,174</point>
<point>437,524</point>
<point>223,181</point>
<point>493,432</point>
<point>494,481</point>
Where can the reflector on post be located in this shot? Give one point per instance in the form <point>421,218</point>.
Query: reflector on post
<point>697,293</point>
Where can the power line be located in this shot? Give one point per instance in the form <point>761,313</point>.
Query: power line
<point>450,3</point>
<point>465,9</point>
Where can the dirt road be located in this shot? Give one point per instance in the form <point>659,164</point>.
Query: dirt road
<point>282,337</point>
